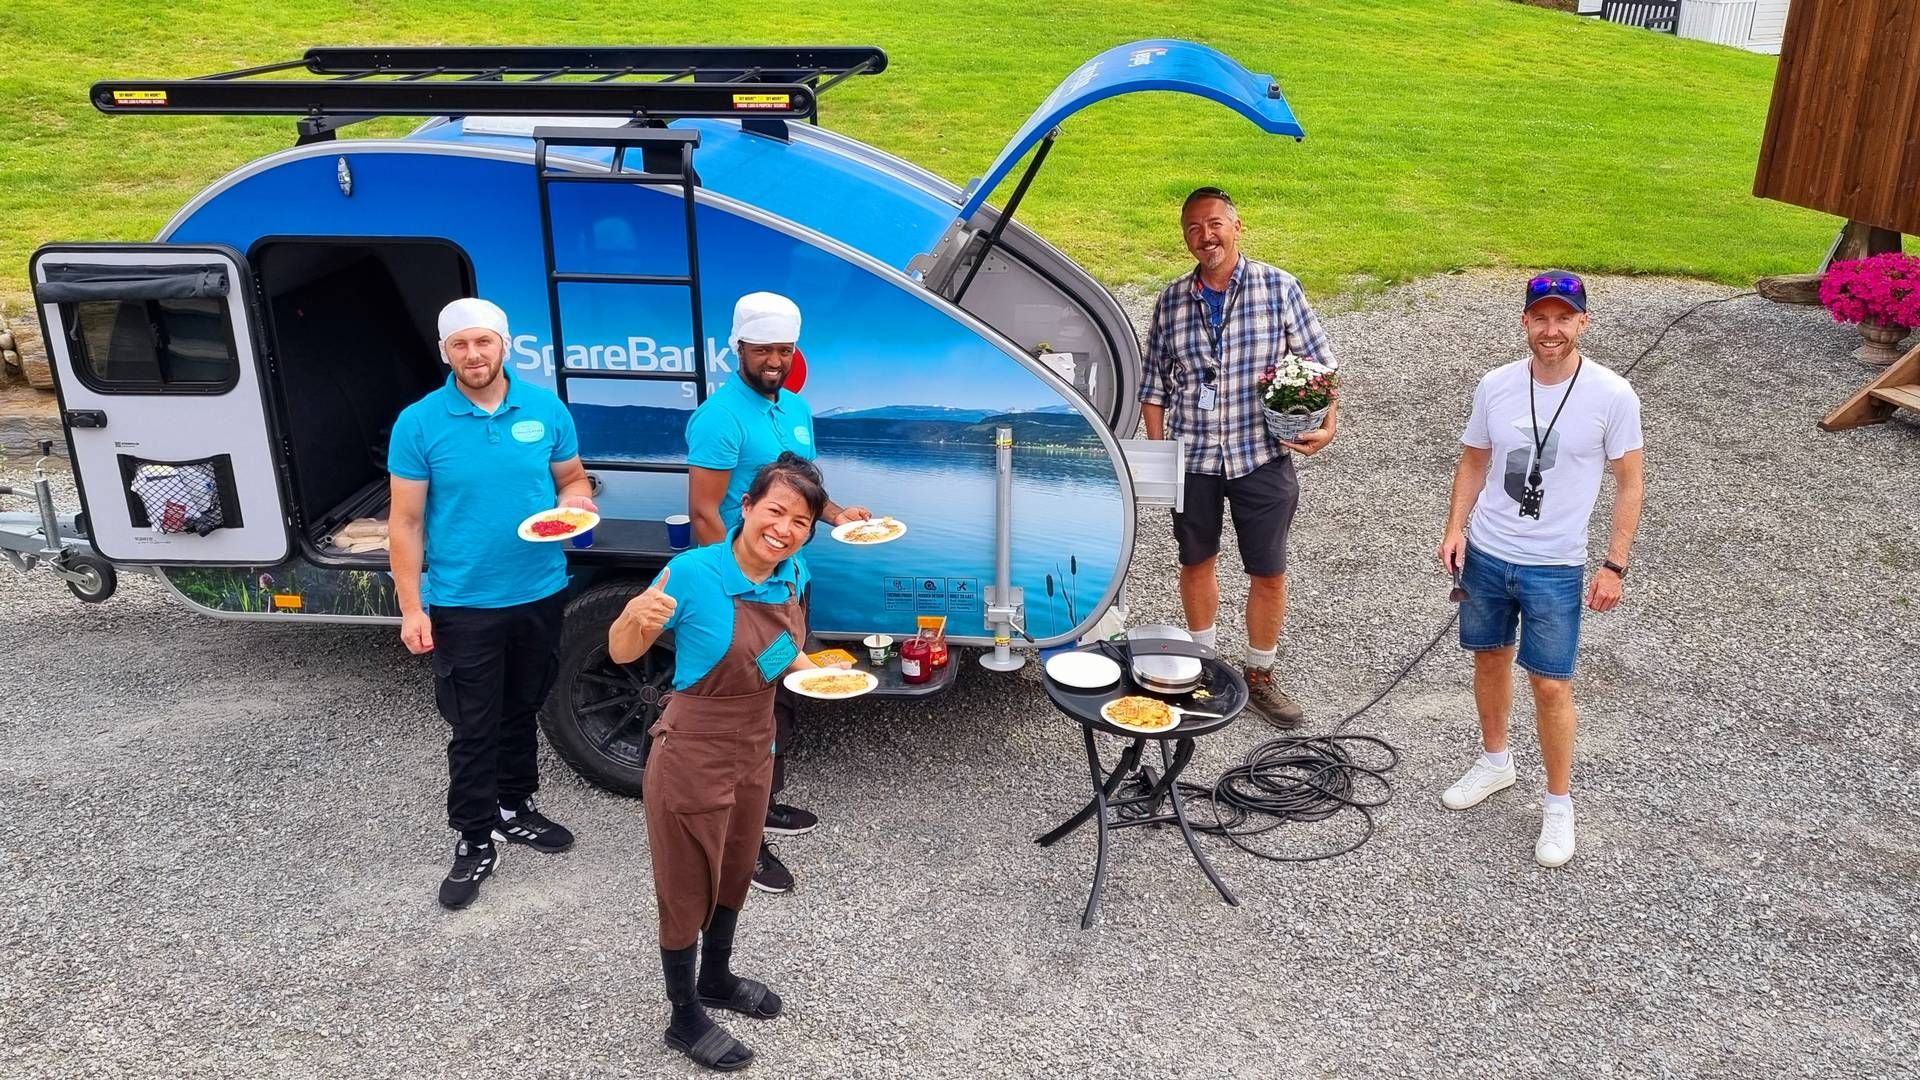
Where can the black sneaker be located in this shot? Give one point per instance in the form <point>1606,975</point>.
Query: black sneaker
<point>784,820</point>
<point>530,827</point>
<point>770,874</point>
<point>472,864</point>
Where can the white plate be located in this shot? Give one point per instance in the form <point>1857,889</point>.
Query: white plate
<point>841,530</point>
<point>1083,671</point>
<point>1173,719</point>
<point>796,681</point>
<point>526,527</point>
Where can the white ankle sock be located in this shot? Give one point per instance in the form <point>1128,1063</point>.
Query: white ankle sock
<point>1553,800</point>
<point>1499,761</point>
<point>1208,637</point>
<point>1260,658</point>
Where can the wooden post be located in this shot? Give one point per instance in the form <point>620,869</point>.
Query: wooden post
<point>1860,240</point>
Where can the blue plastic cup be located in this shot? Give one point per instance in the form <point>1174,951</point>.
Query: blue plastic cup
<point>582,539</point>
<point>679,532</point>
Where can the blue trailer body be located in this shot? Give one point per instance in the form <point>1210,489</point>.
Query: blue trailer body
<point>908,384</point>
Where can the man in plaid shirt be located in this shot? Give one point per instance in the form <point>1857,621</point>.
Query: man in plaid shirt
<point>1215,331</point>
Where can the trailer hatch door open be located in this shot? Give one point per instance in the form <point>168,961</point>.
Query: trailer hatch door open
<point>1161,64</point>
<point>161,391</point>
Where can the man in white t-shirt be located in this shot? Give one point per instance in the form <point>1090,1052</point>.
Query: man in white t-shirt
<point>1542,430</point>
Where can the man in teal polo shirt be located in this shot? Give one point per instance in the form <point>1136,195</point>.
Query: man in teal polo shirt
<point>748,422</point>
<point>469,462</point>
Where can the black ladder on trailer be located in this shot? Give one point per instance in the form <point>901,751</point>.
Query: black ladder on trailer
<point>666,160</point>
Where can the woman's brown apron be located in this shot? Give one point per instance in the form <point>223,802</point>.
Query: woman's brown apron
<point>711,769</point>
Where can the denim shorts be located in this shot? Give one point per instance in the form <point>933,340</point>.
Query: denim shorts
<point>1538,606</point>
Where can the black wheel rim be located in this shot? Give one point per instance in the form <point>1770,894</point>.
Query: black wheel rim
<point>615,705</point>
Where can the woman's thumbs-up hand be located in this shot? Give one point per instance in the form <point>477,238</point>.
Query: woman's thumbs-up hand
<point>652,609</point>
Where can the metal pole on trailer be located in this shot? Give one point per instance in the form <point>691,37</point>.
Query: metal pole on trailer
<point>1004,601</point>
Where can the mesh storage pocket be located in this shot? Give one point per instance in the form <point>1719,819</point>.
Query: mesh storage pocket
<point>180,496</point>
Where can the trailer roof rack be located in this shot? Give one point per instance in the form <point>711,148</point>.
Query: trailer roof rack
<point>645,83</point>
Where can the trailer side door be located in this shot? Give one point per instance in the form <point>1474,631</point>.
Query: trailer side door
<point>162,394</point>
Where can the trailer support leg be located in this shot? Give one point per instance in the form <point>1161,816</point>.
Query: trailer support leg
<point>1003,601</point>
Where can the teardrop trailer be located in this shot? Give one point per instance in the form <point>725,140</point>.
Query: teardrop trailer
<point>227,389</point>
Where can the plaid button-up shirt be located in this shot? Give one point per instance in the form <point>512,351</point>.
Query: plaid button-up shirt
<point>1266,316</point>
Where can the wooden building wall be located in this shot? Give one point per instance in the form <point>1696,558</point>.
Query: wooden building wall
<point>1843,134</point>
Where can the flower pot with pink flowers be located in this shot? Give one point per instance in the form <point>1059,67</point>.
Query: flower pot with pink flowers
<point>1882,295</point>
<point>1295,394</point>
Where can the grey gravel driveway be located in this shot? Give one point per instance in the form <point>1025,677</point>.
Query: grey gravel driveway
<point>221,841</point>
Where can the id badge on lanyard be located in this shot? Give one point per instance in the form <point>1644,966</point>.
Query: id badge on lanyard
<point>1209,394</point>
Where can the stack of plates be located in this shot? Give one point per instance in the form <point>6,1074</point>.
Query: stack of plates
<point>1164,674</point>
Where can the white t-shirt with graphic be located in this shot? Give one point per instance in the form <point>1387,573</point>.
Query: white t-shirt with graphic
<point>1601,422</point>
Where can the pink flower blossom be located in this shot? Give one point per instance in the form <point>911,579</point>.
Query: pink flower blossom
<point>1883,288</point>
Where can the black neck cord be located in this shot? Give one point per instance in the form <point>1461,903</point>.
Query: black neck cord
<point>1539,438</point>
<point>1313,778</point>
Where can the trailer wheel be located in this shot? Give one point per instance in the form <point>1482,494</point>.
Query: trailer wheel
<point>600,716</point>
<point>97,577</point>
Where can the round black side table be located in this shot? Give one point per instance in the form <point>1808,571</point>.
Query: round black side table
<point>1158,800</point>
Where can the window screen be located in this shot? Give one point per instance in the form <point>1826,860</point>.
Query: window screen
<point>141,346</point>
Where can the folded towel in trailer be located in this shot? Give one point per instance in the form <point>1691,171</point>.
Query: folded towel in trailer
<point>360,535</point>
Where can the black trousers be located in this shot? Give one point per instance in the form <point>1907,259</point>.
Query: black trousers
<point>492,669</point>
<point>784,702</point>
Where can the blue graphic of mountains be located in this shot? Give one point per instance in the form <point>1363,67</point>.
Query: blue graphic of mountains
<point>648,432</point>
<point>908,412</point>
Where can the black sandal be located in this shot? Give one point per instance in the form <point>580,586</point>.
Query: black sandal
<point>749,998</point>
<point>713,1048</point>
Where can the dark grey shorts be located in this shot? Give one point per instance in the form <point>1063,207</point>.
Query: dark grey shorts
<point>1262,502</point>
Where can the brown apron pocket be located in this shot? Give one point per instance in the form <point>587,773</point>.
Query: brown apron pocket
<point>693,772</point>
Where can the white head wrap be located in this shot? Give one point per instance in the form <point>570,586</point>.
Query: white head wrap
<point>471,313</point>
<point>765,318</point>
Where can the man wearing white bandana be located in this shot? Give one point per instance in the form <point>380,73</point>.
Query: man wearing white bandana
<point>748,422</point>
<point>468,463</point>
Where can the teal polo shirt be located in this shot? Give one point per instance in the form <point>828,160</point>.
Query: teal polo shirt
<point>485,473</point>
<point>739,430</point>
<point>704,584</point>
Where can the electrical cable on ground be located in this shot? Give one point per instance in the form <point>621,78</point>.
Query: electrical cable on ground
<point>1313,778</point>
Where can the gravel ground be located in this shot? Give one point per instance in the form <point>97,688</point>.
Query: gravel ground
<point>226,837</point>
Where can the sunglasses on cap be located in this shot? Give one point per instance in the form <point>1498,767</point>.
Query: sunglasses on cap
<point>1560,284</point>
<point>1209,193</point>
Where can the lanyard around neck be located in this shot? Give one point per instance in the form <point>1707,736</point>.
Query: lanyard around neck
<point>1540,438</point>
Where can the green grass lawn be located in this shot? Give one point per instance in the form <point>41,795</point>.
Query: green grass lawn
<point>1440,133</point>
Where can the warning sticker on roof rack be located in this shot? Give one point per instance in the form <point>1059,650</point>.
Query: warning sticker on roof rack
<point>139,97</point>
<point>761,101</point>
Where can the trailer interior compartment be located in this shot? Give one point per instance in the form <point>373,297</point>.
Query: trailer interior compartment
<point>354,341</point>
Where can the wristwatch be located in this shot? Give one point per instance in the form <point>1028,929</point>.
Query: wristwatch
<point>1615,567</point>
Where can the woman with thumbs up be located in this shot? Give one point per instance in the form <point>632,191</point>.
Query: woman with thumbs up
<point>739,621</point>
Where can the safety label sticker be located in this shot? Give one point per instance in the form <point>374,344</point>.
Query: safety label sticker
<point>139,97</point>
<point>761,101</point>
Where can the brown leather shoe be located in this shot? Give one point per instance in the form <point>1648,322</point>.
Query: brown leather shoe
<point>1272,702</point>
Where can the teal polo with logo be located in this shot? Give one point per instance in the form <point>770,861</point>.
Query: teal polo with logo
<point>704,584</point>
<point>485,474</point>
<point>739,429</point>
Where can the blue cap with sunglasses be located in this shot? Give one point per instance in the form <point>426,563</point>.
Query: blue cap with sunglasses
<point>1557,285</point>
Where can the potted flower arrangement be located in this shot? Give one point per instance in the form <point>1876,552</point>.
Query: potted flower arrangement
<point>1882,295</point>
<point>1295,394</point>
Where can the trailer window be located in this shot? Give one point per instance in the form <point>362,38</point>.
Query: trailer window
<point>143,346</point>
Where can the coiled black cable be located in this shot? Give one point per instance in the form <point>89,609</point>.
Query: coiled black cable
<point>1314,778</point>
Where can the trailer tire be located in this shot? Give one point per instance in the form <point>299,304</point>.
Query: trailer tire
<point>600,715</point>
<point>99,582</point>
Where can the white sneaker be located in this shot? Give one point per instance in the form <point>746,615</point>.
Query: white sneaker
<point>1555,845</point>
<point>1479,782</point>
